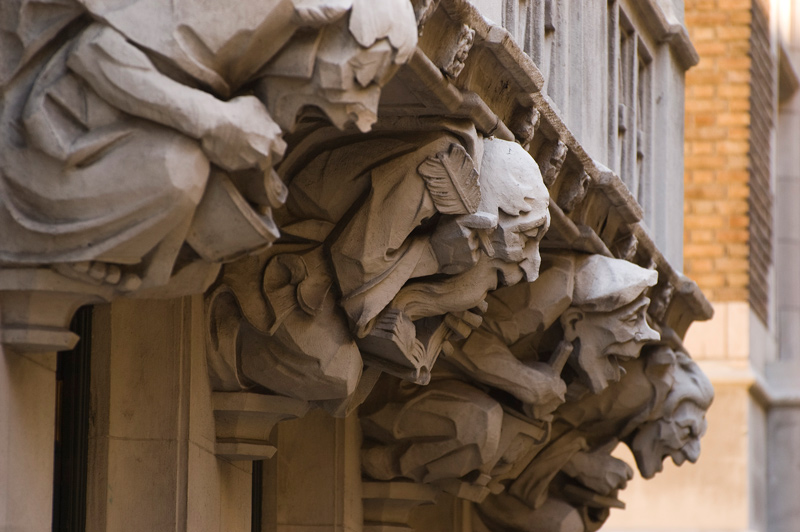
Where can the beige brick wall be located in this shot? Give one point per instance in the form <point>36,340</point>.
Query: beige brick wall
<point>716,230</point>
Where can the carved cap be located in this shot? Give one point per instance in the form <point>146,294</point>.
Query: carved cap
<point>603,284</point>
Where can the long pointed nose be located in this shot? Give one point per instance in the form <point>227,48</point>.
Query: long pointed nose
<point>647,334</point>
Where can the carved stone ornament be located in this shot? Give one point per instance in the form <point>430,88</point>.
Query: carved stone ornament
<point>382,223</point>
<point>383,271</point>
<point>658,409</point>
<point>587,312</point>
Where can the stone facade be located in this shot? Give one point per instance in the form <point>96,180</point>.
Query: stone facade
<point>412,265</point>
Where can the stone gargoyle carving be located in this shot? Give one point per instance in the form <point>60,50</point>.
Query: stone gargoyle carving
<point>486,414</point>
<point>140,137</point>
<point>390,246</point>
<point>658,409</point>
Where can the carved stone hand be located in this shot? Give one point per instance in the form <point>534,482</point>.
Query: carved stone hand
<point>242,135</point>
<point>599,471</point>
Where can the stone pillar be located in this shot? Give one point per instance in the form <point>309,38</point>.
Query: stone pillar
<point>784,463</point>
<point>313,483</point>
<point>27,435</point>
<point>151,442</point>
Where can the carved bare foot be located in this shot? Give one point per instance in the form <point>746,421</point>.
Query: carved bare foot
<point>97,273</point>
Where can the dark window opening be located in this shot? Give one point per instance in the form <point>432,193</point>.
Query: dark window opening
<point>258,496</point>
<point>72,429</point>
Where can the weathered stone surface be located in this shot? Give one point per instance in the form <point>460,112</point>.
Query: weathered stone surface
<point>360,191</point>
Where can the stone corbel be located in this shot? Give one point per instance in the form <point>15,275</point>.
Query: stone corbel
<point>388,506</point>
<point>362,280</point>
<point>487,415</point>
<point>244,422</point>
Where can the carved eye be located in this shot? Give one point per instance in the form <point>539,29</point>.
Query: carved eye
<point>635,318</point>
<point>631,319</point>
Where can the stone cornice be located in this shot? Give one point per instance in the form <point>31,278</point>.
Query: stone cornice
<point>666,29</point>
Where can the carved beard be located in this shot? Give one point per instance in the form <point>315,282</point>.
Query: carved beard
<point>522,262</point>
<point>649,450</point>
<point>532,262</point>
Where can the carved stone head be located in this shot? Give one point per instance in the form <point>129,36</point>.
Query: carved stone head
<point>341,68</point>
<point>678,431</point>
<point>607,320</point>
<point>512,188</point>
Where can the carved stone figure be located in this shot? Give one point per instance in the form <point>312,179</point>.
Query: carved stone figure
<point>571,485</point>
<point>593,306</point>
<point>450,434</point>
<point>390,247</point>
<point>128,129</point>
<point>457,56</point>
<point>598,307</point>
<point>487,230</point>
<point>676,432</point>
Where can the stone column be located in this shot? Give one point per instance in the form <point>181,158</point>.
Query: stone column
<point>151,442</point>
<point>313,483</point>
<point>27,435</point>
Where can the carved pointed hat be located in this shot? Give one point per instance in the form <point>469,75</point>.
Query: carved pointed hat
<point>603,284</point>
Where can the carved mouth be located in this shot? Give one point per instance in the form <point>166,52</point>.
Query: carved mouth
<point>624,351</point>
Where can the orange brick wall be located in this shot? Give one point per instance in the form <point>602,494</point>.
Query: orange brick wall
<point>716,230</point>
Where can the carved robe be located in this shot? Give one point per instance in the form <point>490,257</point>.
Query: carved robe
<point>81,179</point>
<point>85,178</point>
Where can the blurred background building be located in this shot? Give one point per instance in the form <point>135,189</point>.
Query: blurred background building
<point>742,246</point>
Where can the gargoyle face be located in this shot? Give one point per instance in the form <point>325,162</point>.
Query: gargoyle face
<point>340,69</point>
<point>517,238</point>
<point>606,339</point>
<point>677,436</point>
<point>512,187</point>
